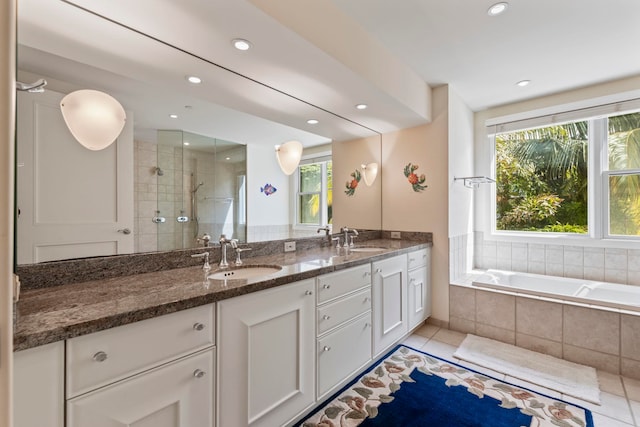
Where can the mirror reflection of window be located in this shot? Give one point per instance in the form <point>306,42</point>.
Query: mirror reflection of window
<point>314,196</point>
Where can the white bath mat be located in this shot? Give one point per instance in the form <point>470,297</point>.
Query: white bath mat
<point>556,374</point>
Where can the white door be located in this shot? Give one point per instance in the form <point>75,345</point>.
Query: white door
<point>179,394</point>
<point>72,201</point>
<point>266,356</point>
<point>390,322</point>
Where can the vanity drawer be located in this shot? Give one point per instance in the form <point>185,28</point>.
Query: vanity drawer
<point>107,356</point>
<point>335,313</point>
<point>333,285</point>
<point>342,352</point>
<point>416,259</point>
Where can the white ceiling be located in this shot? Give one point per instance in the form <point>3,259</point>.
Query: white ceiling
<point>557,44</point>
<point>330,54</point>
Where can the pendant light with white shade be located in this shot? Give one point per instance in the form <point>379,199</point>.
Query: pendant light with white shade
<point>94,118</point>
<point>288,155</point>
<point>370,172</point>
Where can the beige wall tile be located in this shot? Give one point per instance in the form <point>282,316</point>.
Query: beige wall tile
<point>540,345</point>
<point>593,329</point>
<point>630,368</point>
<point>496,309</point>
<point>630,336</point>
<point>462,302</point>
<point>498,334</point>
<point>462,325</point>
<point>601,361</point>
<point>539,318</point>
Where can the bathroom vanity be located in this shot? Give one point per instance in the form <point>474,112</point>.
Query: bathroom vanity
<point>173,348</point>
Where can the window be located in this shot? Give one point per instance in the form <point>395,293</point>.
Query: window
<point>314,193</point>
<point>544,176</point>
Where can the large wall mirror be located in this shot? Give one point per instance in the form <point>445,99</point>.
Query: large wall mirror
<point>193,159</point>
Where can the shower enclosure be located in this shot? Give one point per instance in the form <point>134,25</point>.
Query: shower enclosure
<point>202,189</point>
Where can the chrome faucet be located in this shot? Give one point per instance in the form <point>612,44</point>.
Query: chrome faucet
<point>238,252</point>
<point>224,242</point>
<point>326,229</point>
<point>204,255</point>
<point>205,239</point>
<point>346,231</point>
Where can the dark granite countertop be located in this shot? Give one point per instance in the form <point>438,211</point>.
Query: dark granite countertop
<point>56,313</point>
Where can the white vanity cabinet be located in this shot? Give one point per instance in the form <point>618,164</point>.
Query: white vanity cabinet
<point>389,291</point>
<point>344,326</point>
<point>158,372</point>
<point>418,287</point>
<point>38,386</point>
<point>266,360</point>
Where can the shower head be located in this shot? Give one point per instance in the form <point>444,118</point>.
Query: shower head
<point>159,171</point>
<point>200,184</point>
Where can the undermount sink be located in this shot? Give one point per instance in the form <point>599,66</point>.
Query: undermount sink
<point>367,249</point>
<point>247,272</point>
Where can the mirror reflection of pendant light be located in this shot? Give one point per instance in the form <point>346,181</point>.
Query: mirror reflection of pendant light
<point>370,172</point>
<point>288,155</point>
<point>94,118</point>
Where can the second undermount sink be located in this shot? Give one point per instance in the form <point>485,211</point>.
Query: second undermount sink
<point>367,249</point>
<point>247,272</point>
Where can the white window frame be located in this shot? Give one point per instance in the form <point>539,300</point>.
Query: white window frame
<point>324,208</point>
<point>598,172</point>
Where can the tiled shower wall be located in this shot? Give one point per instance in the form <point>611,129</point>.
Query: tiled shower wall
<point>145,232</point>
<point>602,264</point>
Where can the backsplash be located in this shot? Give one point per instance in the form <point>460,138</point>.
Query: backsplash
<point>603,264</point>
<point>47,274</point>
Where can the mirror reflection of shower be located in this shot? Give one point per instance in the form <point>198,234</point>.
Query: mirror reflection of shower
<point>194,207</point>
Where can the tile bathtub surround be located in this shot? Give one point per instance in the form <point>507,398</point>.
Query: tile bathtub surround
<point>607,340</point>
<point>460,255</point>
<point>600,264</point>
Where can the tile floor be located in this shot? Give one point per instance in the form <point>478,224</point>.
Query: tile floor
<point>620,396</point>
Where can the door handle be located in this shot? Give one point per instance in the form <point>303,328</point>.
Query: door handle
<point>124,231</point>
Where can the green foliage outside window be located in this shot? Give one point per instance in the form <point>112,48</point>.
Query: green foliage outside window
<point>541,177</point>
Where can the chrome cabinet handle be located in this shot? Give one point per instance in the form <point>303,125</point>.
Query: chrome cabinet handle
<point>308,293</point>
<point>326,286</point>
<point>367,299</point>
<point>325,317</point>
<point>412,259</point>
<point>326,348</point>
<point>367,273</point>
<point>124,231</point>
<point>378,270</point>
<point>199,373</point>
<point>198,326</point>
<point>100,356</point>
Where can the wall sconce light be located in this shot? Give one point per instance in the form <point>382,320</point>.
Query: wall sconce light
<point>370,172</point>
<point>94,118</point>
<point>288,155</point>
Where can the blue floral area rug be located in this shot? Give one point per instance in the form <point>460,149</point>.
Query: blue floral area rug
<point>409,388</point>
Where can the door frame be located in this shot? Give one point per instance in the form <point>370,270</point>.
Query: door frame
<point>7,179</point>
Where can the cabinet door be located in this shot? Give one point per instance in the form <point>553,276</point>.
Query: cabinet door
<point>417,296</point>
<point>38,386</point>
<point>266,356</point>
<point>343,352</point>
<point>179,394</point>
<point>390,322</point>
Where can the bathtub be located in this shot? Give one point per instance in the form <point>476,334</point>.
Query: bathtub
<point>590,292</point>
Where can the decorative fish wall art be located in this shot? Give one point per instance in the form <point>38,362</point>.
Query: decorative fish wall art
<point>268,189</point>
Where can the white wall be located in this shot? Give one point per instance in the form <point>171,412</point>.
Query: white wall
<point>266,212</point>
<point>7,156</point>
<point>406,210</point>
<point>581,258</point>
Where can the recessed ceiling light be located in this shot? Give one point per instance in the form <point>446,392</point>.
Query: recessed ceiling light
<point>185,143</point>
<point>194,79</point>
<point>523,83</point>
<point>312,121</point>
<point>497,8</point>
<point>227,158</point>
<point>241,44</point>
<point>361,106</point>
<point>173,116</point>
